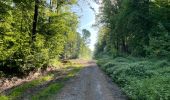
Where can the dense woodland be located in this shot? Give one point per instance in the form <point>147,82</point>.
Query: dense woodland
<point>133,46</point>
<point>39,33</point>
<point>134,27</point>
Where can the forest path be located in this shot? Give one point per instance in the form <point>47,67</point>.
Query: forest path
<point>90,84</point>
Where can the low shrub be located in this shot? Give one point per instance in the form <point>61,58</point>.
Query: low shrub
<point>141,79</point>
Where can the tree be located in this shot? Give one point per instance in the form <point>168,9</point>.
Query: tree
<point>36,33</point>
<point>134,27</point>
<point>86,35</point>
<point>35,19</point>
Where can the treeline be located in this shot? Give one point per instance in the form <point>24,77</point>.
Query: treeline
<point>133,46</point>
<point>38,33</point>
<point>134,27</point>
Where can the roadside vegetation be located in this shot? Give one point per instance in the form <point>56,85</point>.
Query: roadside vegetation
<point>16,92</point>
<point>51,90</point>
<point>37,33</point>
<point>139,78</point>
<point>136,36</point>
<point>56,82</point>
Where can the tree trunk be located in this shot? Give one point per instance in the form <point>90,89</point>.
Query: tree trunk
<point>124,50</point>
<point>35,20</point>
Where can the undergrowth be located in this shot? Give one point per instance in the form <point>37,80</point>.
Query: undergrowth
<point>140,79</point>
<point>47,91</point>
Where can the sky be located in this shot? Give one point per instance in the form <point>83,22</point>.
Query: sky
<point>87,18</point>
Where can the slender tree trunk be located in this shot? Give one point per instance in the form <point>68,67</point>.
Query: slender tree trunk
<point>35,20</point>
<point>117,44</point>
<point>51,7</point>
<point>21,20</point>
<point>123,46</point>
<point>50,2</point>
<point>57,8</point>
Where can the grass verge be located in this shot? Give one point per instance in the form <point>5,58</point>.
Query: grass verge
<point>54,88</point>
<point>46,92</point>
<point>16,92</point>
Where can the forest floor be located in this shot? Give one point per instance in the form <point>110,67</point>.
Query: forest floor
<point>76,83</point>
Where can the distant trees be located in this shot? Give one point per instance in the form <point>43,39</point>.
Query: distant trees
<point>77,45</point>
<point>86,35</point>
<point>84,50</point>
<point>132,27</point>
<point>34,33</point>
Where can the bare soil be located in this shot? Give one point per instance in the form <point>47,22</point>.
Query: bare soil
<point>90,84</point>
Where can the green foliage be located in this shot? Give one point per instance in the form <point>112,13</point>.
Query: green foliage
<point>77,46</point>
<point>130,27</point>
<point>159,42</point>
<point>138,28</point>
<point>140,79</point>
<point>55,36</point>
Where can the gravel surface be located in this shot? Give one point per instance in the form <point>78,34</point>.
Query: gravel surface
<point>90,84</point>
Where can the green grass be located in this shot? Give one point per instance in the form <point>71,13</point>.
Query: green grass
<point>48,92</point>
<point>16,92</point>
<point>52,89</point>
<point>2,97</point>
<point>74,71</point>
<point>140,79</point>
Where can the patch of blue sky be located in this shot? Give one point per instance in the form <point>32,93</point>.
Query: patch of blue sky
<point>87,18</point>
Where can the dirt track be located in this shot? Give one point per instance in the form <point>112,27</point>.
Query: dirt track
<point>90,84</point>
